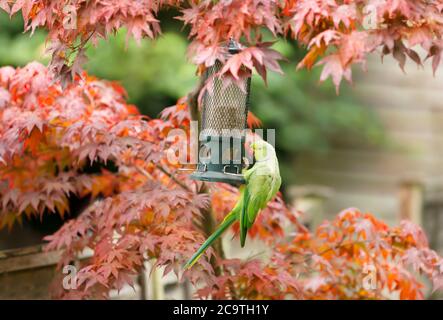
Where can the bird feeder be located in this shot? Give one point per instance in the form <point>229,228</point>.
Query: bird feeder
<point>222,137</point>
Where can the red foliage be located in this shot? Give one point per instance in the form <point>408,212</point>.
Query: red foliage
<point>145,209</point>
<point>337,34</point>
<point>338,258</point>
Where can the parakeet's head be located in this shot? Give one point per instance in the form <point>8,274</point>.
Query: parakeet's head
<point>262,150</point>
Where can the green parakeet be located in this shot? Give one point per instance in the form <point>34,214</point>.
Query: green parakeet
<point>262,184</point>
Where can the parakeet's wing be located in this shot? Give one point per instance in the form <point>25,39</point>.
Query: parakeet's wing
<point>258,187</point>
<point>276,183</point>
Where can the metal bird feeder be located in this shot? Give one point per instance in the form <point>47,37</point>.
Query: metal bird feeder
<point>223,123</point>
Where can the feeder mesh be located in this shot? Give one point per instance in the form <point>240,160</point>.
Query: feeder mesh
<point>225,107</point>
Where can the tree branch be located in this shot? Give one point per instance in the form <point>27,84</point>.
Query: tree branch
<point>170,175</point>
<point>192,99</point>
<point>173,178</point>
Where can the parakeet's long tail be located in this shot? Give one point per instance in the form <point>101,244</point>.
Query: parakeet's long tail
<point>227,222</point>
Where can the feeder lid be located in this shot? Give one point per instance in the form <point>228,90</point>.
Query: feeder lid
<point>233,46</point>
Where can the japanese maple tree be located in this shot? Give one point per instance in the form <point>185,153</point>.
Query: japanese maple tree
<point>57,121</point>
<point>337,34</point>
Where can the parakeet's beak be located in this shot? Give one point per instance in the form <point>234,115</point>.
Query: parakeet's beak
<point>250,148</point>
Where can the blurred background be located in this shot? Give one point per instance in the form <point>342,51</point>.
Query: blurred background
<point>375,146</point>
